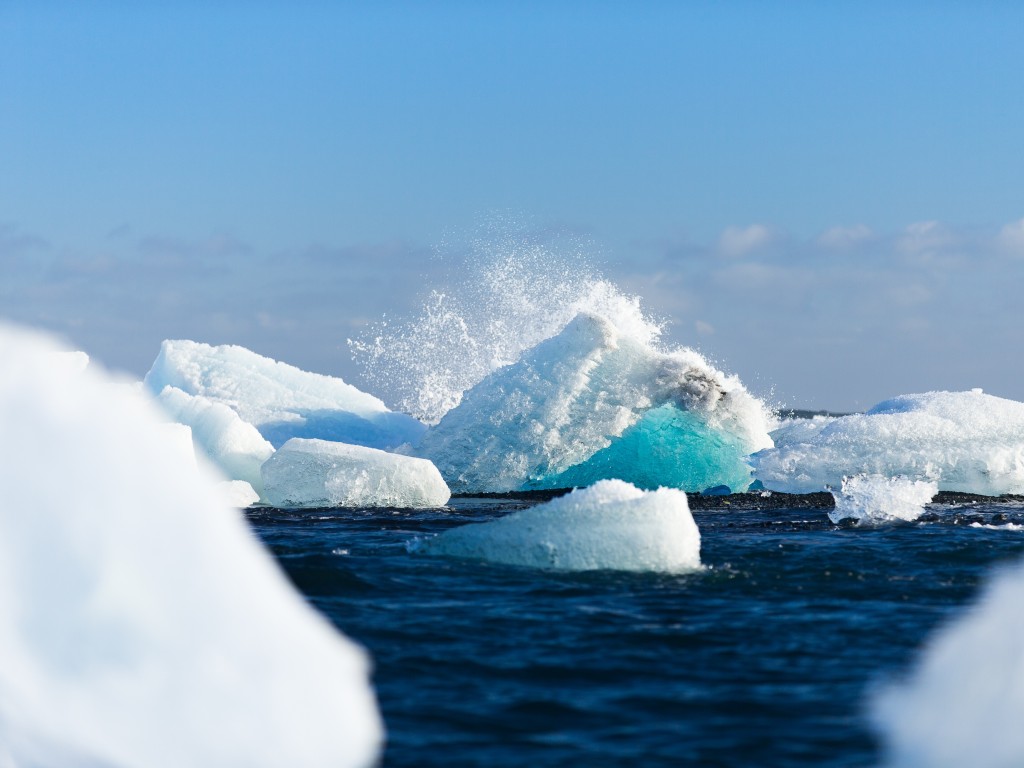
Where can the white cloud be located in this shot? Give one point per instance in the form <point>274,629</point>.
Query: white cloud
<point>924,237</point>
<point>703,328</point>
<point>844,237</point>
<point>1011,237</point>
<point>736,241</point>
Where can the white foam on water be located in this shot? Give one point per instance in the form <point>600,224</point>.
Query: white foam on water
<point>318,473</point>
<point>611,525</point>
<point>966,441</point>
<point>513,292</point>
<point>141,623</point>
<point>878,499</point>
<point>963,702</point>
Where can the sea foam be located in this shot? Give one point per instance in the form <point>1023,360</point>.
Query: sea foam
<point>141,624</point>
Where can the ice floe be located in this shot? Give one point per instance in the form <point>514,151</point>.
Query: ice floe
<point>235,446</point>
<point>318,473</point>
<point>879,499</point>
<point>611,525</point>
<point>596,402</point>
<point>962,704</point>
<point>280,400</point>
<point>964,441</point>
<point>141,624</point>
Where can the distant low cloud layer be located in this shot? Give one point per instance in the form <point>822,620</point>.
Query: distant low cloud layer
<point>837,320</point>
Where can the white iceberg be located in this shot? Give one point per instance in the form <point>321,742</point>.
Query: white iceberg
<point>281,401</point>
<point>611,525</point>
<point>318,473</point>
<point>878,499</point>
<point>233,445</point>
<point>965,441</point>
<point>237,493</point>
<point>964,702</point>
<point>141,623</point>
<point>595,402</point>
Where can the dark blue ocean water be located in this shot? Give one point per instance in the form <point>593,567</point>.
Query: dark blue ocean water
<point>765,658</point>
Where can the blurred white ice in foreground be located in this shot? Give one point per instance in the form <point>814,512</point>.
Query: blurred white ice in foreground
<point>141,624</point>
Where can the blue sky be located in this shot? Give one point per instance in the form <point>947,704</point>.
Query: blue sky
<point>825,198</point>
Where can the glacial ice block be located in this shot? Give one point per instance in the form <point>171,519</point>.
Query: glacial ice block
<point>879,499</point>
<point>141,622</point>
<point>964,441</point>
<point>281,401</point>
<point>597,402</point>
<point>963,703</point>
<point>611,525</point>
<point>235,446</point>
<point>318,473</point>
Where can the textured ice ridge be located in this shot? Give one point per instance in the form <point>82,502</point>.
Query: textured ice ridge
<point>595,402</point>
<point>611,525</point>
<point>318,473</point>
<point>964,441</point>
<point>281,401</point>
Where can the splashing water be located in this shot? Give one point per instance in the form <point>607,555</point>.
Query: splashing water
<point>515,291</point>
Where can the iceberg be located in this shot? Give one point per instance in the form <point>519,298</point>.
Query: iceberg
<point>281,401</point>
<point>611,525</point>
<point>963,702</point>
<point>964,441</point>
<point>879,499</point>
<point>597,401</point>
<point>237,493</point>
<point>141,623</point>
<point>318,473</point>
<point>233,445</point>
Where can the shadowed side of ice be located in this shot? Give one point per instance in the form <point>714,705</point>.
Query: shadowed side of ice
<point>962,704</point>
<point>141,624</point>
<point>595,402</point>
<point>964,441</point>
<point>281,401</point>
<point>318,473</point>
<point>611,525</point>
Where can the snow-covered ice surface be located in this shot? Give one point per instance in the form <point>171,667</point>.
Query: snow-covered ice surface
<point>596,401</point>
<point>878,499</point>
<point>965,441</point>
<point>280,400</point>
<point>140,622</point>
<point>318,473</point>
<point>235,446</point>
<point>963,703</point>
<point>611,525</point>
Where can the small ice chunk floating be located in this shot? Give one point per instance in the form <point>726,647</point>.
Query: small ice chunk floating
<point>141,624</point>
<point>594,402</point>
<point>964,441</point>
<point>878,499</point>
<point>318,473</point>
<point>281,401</point>
<point>611,525</point>
<point>963,702</point>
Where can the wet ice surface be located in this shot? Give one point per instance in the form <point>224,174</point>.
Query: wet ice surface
<point>765,657</point>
